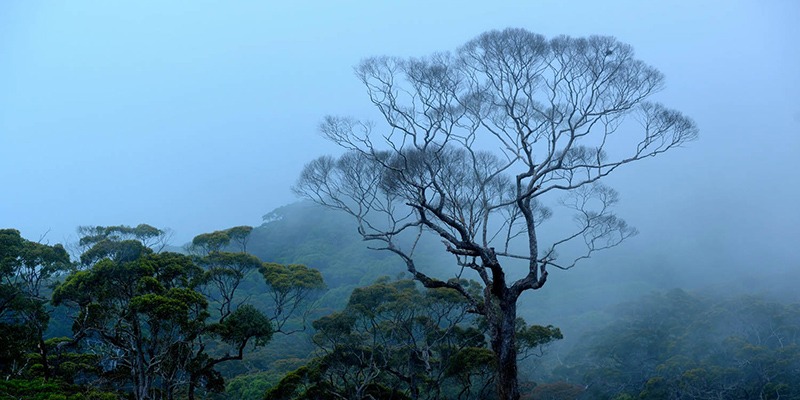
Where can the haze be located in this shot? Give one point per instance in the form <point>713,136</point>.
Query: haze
<point>199,116</point>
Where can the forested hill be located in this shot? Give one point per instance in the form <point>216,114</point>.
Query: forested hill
<point>306,233</point>
<point>616,302</point>
<point>327,240</point>
<point>613,329</point>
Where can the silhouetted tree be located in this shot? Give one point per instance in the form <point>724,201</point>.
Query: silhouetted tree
<point>475,141</point>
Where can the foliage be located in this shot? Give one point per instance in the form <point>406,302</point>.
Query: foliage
<point>535,337</point>
<point>37,389</point>
<point>291,285</point>
<point>305,233</point>
<point>402,342</point>
<point>251,386</point>
<point>556,391</point>
<point>137,313</point>
<point>210,242</point>
<point>164,322</point>
<point>678,345</point>
<point>25,268</point>
<point>120,243</point>
<point>390,338</point>
<point>219,240</point>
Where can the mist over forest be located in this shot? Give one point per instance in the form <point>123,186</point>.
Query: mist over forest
<point>422,201</point>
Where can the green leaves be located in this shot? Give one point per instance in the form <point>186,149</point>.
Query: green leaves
<point>155,322</point>
<point>394,340</point>
<point>285,278</point>
<point>535,336</point>
<point>240,235</point>
<point>11,244</point>
<point>336,325</point>
<point>74,288</point>
<point>470,360</point>
<point>211,242</point>
<point>374,299</point>
<point>218,240</point>
<point>142,233</point>
<point>245,323</point>
<point>138,312</point>
<point>173,269</point>
<point>119,251</point>
<point>154,287</point>
<point>240,262</point>
<point>174,305</point>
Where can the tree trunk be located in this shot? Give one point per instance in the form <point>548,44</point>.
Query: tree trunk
<point>142,391</point>
<point>504,345</point>
<point>192,385</point>
<point>43,356</point>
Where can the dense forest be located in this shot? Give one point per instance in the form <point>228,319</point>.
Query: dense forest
<point>299,308</point>
<point>511,201</point>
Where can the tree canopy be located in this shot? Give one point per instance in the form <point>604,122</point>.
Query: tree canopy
<point>394,340</point>
<point>677,345</point>
<point>164,322</point>
<point>473,145</point>
<point>25,268</point>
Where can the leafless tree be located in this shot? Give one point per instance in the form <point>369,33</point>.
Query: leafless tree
<point>477,142</point>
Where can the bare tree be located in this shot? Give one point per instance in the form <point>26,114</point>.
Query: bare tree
<point>477,142</point>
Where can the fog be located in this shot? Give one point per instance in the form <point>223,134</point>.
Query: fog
<point>199,116</point>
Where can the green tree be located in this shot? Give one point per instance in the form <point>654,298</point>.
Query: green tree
<point>119,242</point>
<point>291,287</point>
<point>390,338</point>
<point>25,268</point>
<point>137,314</point>
<point>477,142</point>
<point>207,243</point>
<point>234,323</point>
<point>223,273</point>
<point>401,342</point>
<point>210,242</point>
<point>162,322</point>
<point>240,235</point>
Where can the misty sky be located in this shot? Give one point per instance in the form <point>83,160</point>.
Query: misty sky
<point>198,116</point>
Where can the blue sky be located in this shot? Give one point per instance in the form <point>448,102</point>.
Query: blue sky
<point>199,115</point>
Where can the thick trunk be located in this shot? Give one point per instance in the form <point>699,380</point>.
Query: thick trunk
<point>504,345</point>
